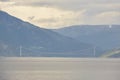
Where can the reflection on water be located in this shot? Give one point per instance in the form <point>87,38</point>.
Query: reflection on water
<point>59,69</point>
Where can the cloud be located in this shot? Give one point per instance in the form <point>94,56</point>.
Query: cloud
<point>108,17</point>
<point>57,13</point>
<point>66,4</point>
<point>4,0</point>
<point>57,18</point>
<point>46,16</point>
<point>92,6</point>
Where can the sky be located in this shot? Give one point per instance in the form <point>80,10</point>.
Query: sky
<point>62,13</point>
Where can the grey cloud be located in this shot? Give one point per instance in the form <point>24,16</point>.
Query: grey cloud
<point>64,3</point>
<point>74,5</point>
<point>92,7</point>
<point>4,0</point>
<point>98,10</point>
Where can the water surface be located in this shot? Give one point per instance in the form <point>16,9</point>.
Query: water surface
<point>59,69</point>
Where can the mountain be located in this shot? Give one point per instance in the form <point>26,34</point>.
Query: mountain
<point>115,53</point>
<point>104,36</point>
<point>20,38</point>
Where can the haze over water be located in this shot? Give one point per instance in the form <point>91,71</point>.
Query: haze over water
<point>59,69</point>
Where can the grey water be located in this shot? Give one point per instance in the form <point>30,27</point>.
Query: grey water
<point>59,69</point>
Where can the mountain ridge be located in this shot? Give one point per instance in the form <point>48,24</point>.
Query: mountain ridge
<point>104,36</point>
<point>115,53</point>
<point>15,33</point>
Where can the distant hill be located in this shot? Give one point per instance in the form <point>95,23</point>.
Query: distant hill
<point>104,36</point>
<point>115,53</point>
<point>34,41</point>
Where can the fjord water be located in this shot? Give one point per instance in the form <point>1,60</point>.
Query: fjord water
<point>59,69</point>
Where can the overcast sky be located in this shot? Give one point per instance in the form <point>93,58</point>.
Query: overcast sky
<point>61,13</point>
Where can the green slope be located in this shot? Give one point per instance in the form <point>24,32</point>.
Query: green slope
<point>112,53</point>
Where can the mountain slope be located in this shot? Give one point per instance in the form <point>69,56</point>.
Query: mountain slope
<point>113,53</point>
<point>104,36</point>
<point>35,41</point>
